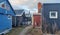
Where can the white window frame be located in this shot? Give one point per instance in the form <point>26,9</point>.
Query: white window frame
<point>56,14</point>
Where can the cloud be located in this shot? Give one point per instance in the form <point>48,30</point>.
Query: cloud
<point>17,2</point>
<point>15,7</point>
<point>22,4</point>
<point>31,4</point>
<point>50,1</point>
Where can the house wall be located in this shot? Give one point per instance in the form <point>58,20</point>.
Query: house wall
<point>51,22</point>
<point>5,23</point>
<point>6,9</point>
<point>17,20</point>
<point>5,17</point>
<point>36,20</point>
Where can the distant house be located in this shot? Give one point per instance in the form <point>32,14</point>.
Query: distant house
<point>28,18</point>
<point>18,18</point>
<point>51,17</point>
<point>6,13</point>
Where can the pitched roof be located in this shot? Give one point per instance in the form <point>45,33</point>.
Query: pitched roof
<point>19,12</point>
<point>2,10</point>
<point>11,7</point>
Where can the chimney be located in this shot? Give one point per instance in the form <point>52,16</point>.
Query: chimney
<point>39,7</point>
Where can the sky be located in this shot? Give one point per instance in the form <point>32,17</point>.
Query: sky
<point>29,4</point>
<point>24,3</point>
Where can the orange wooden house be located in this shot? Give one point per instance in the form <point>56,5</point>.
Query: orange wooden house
<point>37,17</point>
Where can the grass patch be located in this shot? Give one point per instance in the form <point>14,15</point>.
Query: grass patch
<point>15,31</point>
<point>34,31</point>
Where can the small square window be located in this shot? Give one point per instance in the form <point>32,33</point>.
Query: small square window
<point>53,14</point>
<point>9,17</point>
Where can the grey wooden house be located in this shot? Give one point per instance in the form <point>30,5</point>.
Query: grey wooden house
<point>18,18</point>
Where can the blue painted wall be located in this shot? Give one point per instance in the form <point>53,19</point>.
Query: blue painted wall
<point>8,5</point>
<point>47,7</point>
<point>6,23</point>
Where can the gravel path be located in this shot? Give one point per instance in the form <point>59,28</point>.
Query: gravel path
<point>25,30</point>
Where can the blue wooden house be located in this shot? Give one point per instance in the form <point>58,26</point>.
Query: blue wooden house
<point>51,17</point>
<point>6,13</point>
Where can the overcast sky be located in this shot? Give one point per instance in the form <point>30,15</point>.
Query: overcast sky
<point>29,4</point>
<point>24,3</point>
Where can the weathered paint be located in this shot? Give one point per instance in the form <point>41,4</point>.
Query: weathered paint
<point>36,20</point>
<point>18,18</point>
<point>6,11</point>
<point>47,8</point>
<point>5,18</point>
<point>5,23</point>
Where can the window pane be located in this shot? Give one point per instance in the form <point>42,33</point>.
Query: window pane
<point>53,14</point>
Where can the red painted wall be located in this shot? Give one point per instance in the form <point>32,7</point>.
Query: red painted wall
<point>37,17</point>
<point>36,20</point>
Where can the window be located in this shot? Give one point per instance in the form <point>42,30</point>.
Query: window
<point>9,17</point>
<point>53,14</point>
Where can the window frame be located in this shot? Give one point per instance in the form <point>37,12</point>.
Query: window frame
<point>56,14</point>
<point>9,17</point>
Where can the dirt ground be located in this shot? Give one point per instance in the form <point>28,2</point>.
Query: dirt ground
<point>15,31</point>
<point>38,31</point>
<point>34,31</point>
